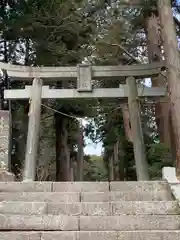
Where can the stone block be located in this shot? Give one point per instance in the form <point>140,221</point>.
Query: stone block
<point>26,208</point>
<point>20,235</point>
<point>25,186</point>
<point>129,222</point>
<point>169,175</point>
<point>39,196</point>
<point>80,186</point>
<point>129,235</point>
<point>73,209</point>
<point>139,186</point>
<point>175,189</point>
<point>59,236</point>
<point>95,196</point>
<point>41,223</point>
<point>145,208</point>
<point>152,195</point>
<point>77,209</point>
<point>93,209</point>
<point>98,235</point>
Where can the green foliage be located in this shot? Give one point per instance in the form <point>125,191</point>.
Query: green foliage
<point>159,156</point>
<point>94,169</point>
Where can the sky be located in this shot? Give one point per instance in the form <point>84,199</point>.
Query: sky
<point>92,148</point>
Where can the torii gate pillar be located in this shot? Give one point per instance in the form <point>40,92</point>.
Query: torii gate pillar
<point>5,139</point>
<point>137,134</point>
<point>33,131</point>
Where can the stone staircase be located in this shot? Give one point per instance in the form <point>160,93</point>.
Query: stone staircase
<point>88,211</point>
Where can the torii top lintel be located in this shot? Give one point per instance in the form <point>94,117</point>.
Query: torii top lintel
<point>23,73</point>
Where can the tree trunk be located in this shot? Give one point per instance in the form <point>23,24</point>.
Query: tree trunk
<point>126,119</point>
<point>71,170</point>
<point>21,136</point>
<point>121,161</point>
<point>162,112</point>
<point>80,155</point>
<point>173,64</point>
<point>62,149</point>
<point>116,161</point>
<point>110,169</point>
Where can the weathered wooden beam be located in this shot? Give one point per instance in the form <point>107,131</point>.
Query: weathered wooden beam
<point>121,92</point>
<point>137,133</point>
<point>24,73</point>
<point>33,131</point>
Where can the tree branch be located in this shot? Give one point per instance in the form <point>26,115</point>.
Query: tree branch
<point>124,50</point>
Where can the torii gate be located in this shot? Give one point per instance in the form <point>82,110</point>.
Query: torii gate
<point>84,74</point>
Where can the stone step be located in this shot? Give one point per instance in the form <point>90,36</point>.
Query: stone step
<point>129,222</point>
<point>82,186</point>
<point>25,186</point>
<point>23,235</point>
<point>145,208</point>
<point>90,208</point>
<point>88,223</point>
<point>128,235</point>
<point>40,196</point>
<point>136,185</point>
<point>24,208</point>
<point>106,235</point>
<point>161,195</point>
<point>112,186</point>
<point>41,223</point>
<point>54,186</point>
<point>114,208</point>
<point>138,195</point>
